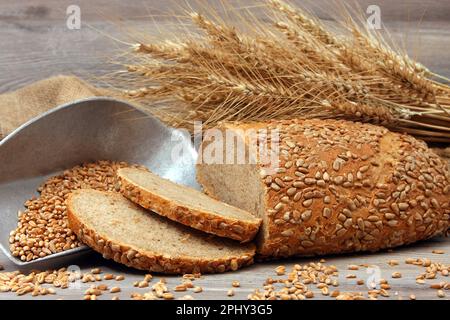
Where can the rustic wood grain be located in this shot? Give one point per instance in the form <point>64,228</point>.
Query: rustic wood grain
<point>253,277</point>
<point>36,44</point>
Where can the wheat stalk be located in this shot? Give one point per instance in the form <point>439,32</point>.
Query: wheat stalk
<point>293,67</point>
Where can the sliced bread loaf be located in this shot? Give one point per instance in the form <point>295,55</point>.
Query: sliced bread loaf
<point>337,186</point>
<point>187,206</point>
<point>128,234</point>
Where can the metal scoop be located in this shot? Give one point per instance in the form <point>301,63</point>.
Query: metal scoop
<point>84,131</point>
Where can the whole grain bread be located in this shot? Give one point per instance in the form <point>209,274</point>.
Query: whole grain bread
<point>128,234</point>
<point>337,187</point>
<point>186,205</point>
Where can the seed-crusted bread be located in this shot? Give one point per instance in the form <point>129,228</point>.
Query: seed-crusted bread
<point>128,234</point>
<point>186,205</point>
<point>338,187</point>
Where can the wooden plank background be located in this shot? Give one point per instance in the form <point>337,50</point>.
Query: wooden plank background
<point>35,44</point>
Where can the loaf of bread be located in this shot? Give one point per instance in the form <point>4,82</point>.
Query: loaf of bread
<point>186,205</point>
<point>338,187</point>
<point>120,230</point>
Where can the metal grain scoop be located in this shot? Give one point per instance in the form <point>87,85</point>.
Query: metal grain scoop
<point>84,131</point>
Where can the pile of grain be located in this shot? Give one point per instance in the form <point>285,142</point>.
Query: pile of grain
<point>42,228</point>
<point>36,283</point>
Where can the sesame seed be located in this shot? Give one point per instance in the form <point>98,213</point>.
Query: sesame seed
<point>307,203</point>
<point>287,233</point>
<point>306,215</point>
<point>392,223</point>
<point>363,169</point>
<point>108,276</point>
<point>297,184</point>
<point>437,285</point>
<point>337,165</point>
<point>347,212</point>
<point>180,287</point>
<point>335,293</point>
<point>280,270</point>
<point>393,262</point>
<point>279,182</point>
<point>307,243</point>
<point>403,206</point>
<point>275,187</point>
<point>168,296</point>
<point>197,289</point>
<point>290,144</point>
<point>341,232</point>
<point>321,183</point>
<point>102,287</point>
<point>278,206</point>
<point>114,290</point>
<point>389,216</point>
<point>148,277</point>
<point>326,212</point>
<point>96,271</point>
<point>287,216</point>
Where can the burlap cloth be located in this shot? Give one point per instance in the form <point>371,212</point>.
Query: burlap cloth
<point>24,104</point>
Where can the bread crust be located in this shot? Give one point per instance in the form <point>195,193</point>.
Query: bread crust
<point>150,261</point>
<point>228,227</point>
<point>348,187</point>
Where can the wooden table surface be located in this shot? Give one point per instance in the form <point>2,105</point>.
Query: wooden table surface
<point>35,44</point>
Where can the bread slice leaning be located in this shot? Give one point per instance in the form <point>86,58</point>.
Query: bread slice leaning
<point>128,234</point>
<point>186,205</point>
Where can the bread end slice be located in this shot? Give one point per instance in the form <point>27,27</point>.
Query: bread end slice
<point>128,234</point>
<point>187,206</point>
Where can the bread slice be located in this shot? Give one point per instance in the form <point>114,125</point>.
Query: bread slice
<point>187,206</point>
<point>128,234</point>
